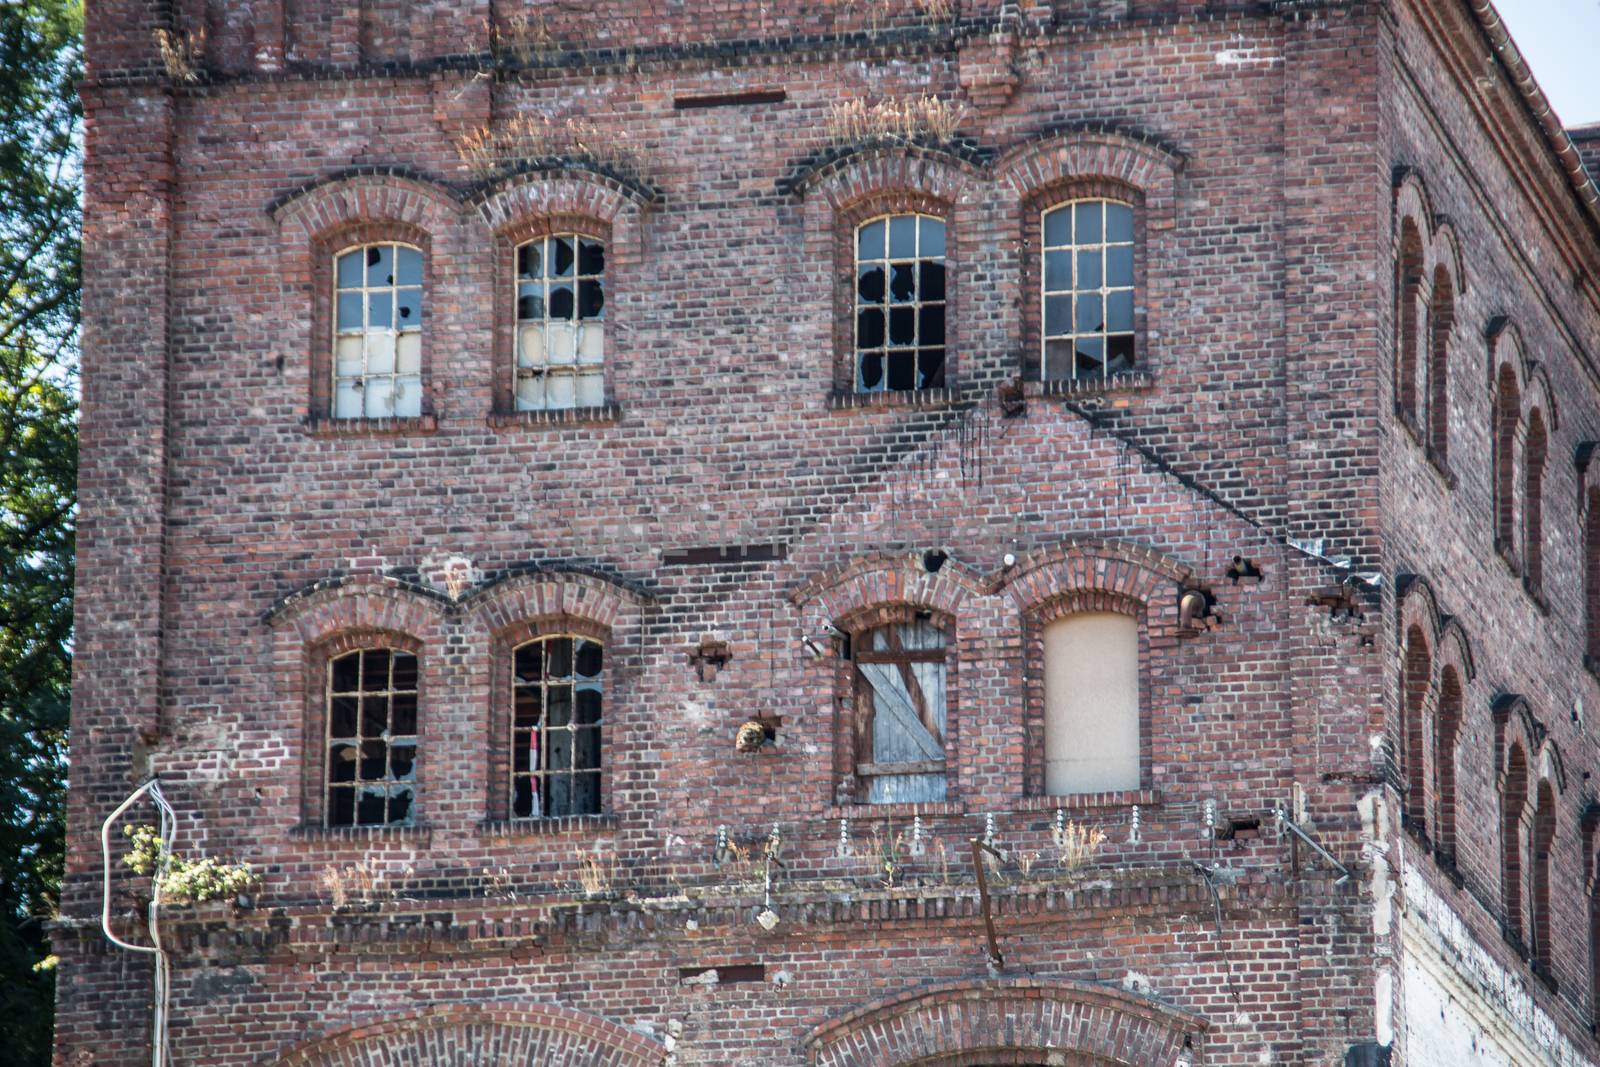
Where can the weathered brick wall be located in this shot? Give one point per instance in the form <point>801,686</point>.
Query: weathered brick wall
<point>248,531</point>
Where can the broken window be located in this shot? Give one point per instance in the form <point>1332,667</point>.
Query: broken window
<point>1091,698</point>
<point>900,303</point>
<point>372,738</point>
<point>1087,278</point>
<point>561,344</point>
<point>901,712</point>
<point>377,346</point>
<point>555,729</point>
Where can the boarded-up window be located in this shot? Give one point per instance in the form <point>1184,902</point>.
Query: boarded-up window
<point>901,713</point>
<point>1091,697</point>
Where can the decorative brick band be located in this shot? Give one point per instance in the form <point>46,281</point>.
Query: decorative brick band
<point>1003,1021</point>
<point>538,1035</point>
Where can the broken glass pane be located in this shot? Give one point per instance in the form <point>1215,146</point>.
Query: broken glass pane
<point>530,301</point>
<point>409,267</point>
<point>903,283</point>
<point>1090,356</point>
<point>591,257</point>
<point>902,368</point>
<point>588,706</point>
<point>403,666</point>
<point>931,362</point>
<point>558,658</point>
<point>903,237</point>
<point>1119,311</point>
<point>558,750</point>
<point>380,265</point>
<point>561,302</point>
<point>341,807</point>
<point>371,807</point>
<point>869,241</point>
<point>871,372</point>
<point>400,805</point>
<point>1119,354</point>
<point>589,659</point>
<point>930,327</point>
<point>374,716</point>
<point>403,762</point>
<point>375,670</point>
<point>1091,313</point>
<point>528,664</point>
<point>408,307</point>
<point>372,761</point>
<point>522,799</point>
<point>869,329</point>
<point>561,257</point>
<point>591,300</point>
<point>403,715</point>
<point>342,762</point>
<point>342,717</point>
<point>350,270</point>
<point>346,673</point>
<point>530,260</point>
<point>932,244</point>
<point>869,284</point>
<point>932,281</point>
<point>902,327</point>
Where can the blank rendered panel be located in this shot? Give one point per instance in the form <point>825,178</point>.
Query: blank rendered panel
<point>1091,692</point>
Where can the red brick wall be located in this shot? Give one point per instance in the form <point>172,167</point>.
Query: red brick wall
<point>226,536</point>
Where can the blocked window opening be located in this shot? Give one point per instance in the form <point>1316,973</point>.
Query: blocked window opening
<point>1533,504</point>
<point>1441,319</point>
<point>555,731</point>
<point>1542,840</point>
<point>1449,731</point>
<point>1087,280</point>
<point>561,345</point>
<point>377,346</point>
<point>901,670</point>
<point>1507,413</point>
<point>1415,679</point>
<point>1512,802</point>
<point>1091,697</point>
<point>372,738</point>
<point>1591,577</point>
<point>1411,315</point>
<point>900,303</point>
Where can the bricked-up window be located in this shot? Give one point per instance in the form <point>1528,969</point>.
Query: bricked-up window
<point>900,303</point>
<point>1542,841</point>
<point>1411,315</point>
<point>1507,415</point>
<point>372,738</point>
<point>1533,504</point>
<point>1448,727</point>
<point>561,344</point>
<point>377,347</point>
<point>1091,695</point>
<point>1088,290</point>
<point>900,671</point>
<point>1591,577</point>
<point>1414,682</point>
<point>1441,319</point>
<point>1513,799</point>
<point>555,729</point>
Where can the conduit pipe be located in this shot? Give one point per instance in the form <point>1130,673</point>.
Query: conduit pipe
<point>169,824</point>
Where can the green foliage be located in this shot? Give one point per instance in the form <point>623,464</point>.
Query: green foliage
<point>40,135</point>
<point>182,881</point>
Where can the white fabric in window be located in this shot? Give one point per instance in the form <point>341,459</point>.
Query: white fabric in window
<point>1091,695</point>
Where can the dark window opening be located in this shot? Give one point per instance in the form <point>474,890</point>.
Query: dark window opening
<point>372,738</point>
<point>555,730</point>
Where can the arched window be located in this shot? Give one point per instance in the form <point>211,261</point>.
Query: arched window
<point>557,687</point>
<point>1087,279</point>
<point>1507,415</point>
<point>1540,847</point>
<point>1591,576</point>
<point>560,345</point>
<point>1418,673</point>
<point>377,344</point>
<point>1448,732</point>
<point>1533,504</point>
<point>1410,315</point>
<point>900,303</point>
<point>1441,318</point>
<point>1513,800</point>
<point>901,711</point>
<point>372,738</point>
<point>1092,738</point>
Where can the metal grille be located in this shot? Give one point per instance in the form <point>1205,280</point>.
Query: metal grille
<point>900,303</point>
<point>560,323</point>
<point>377,345</point>
<point>1087,288</point>
<point>555,729</point>
<point>372,738</point>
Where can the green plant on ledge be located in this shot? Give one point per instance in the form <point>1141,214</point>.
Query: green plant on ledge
<point>182,881</point>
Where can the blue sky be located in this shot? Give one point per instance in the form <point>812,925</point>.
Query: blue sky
<point>1561,41</point>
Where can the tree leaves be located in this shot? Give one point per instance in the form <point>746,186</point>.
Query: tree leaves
<point>40,177</point>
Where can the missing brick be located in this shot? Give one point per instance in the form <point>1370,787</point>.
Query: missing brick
<point>745,99</point>
<point>728,974</point>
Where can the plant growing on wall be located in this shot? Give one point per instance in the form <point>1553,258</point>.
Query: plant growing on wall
<point>184,881</point>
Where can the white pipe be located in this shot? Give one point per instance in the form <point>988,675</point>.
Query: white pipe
<point>169,826</point>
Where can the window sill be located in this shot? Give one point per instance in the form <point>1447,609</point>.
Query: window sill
<point>571,824</point>
<point>1441,467</point>
<point>516,420</point>
<point>1137,382</point>
<point>899,811</point>
<point>326,426</point>
<point>1507,557</point>
<point>1123,798</point>
<point>901,398</point>
<point>416,832</point>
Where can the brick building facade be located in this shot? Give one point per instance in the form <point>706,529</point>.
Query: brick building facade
<point>602,504</point>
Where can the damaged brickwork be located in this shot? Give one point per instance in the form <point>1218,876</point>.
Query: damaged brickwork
<point>628,609</point>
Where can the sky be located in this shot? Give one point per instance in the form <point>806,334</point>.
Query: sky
<point>1560,39</point>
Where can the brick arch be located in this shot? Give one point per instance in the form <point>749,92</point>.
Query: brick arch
<point>539,1035</point>
<point>1065,156</point>
<point>552,594</point>
<point>1020,1020</point>
<point>1134,572</point>
<point>1508,374</point>
<point>875,581</point>
<point>366,601</point>
<point>874,172</point>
